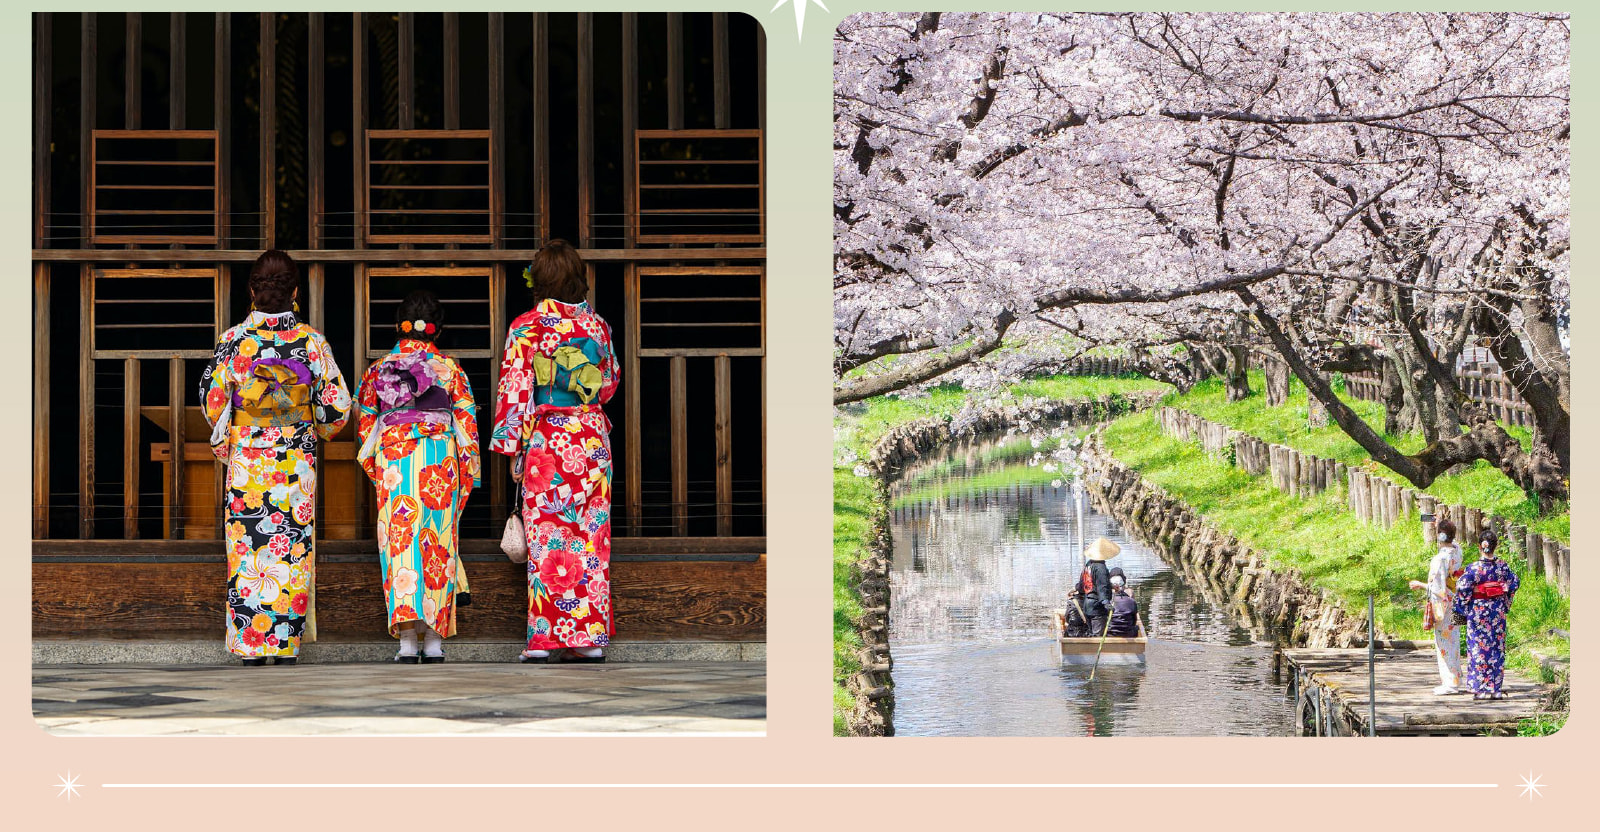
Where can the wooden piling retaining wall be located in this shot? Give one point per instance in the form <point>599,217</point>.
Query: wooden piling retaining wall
<point>1370,496</point>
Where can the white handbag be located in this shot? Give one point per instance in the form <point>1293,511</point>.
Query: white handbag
<point>514,541</point>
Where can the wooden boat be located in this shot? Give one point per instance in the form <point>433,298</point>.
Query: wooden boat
<point>1118,650</point>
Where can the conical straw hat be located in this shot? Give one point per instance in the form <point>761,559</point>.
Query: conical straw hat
<point>1101,549</point>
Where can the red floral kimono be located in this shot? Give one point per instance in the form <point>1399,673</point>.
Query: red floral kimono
<point>558,369</point>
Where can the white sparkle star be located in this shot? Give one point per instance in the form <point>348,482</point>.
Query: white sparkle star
<point>799,14</point>
<point>68,786</point>
<point>1531,786</point>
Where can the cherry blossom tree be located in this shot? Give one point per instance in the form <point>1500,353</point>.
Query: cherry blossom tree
<point>1326,192</point>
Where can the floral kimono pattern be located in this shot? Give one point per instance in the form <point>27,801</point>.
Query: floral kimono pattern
<point>1443,573</point>
<point>558,369</point>
<point>419,446</point>
<point>270,391</point>
<point>1483,596</point>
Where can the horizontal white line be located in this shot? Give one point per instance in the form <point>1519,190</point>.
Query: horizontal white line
<point>806,785</point>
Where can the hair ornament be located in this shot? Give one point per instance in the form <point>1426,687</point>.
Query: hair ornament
<point>428,329</point>
<point>405,326</point>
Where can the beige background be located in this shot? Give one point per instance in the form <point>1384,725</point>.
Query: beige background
<point>798,748</point>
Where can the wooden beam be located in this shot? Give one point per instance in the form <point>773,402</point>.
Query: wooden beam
<point>130,448</point>
<point>316,129</point>
<point>406,35</point>
<point>42,109</point>
<point>724,434</point>
<point>541,124</point>
<point>477,549</point>
<point>175,415</point>
<point>630,123</point>
<point>269,129</point>
<point>452,70</point>
<point>358,131</point>
<point>679,399</point>
<point>41,400</point>
<point>719,71</point>
<point>674,70</point>
<point>497,127</point>
<point>133,72</point>
<point>86,402</point>
<point>507,255</point>
<point>586,132</point>
<point>177,71</point>
<point>88,66</point>
<point>222,105</point>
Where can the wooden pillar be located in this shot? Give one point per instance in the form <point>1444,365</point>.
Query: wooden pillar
<point>406,35</point>
<point>497,127</point>
<point>130,448</point>
<point>175,397</point>
<point>42,89</point>
<point>316,140</point>
<point>1550,552</point>
<point>86,379</point>
<point>721,108</point>
<point>269,130</point>
<point>499,465</point>
<point>541,123</point>
<point>358,132</point>
<point>222,98</point>
<point>133,72</point>
<point>680,445</point>
<point>41,400</point>
<point>452,70</point>
<point>633,464</point>
<point>88,65</point>
<point>630,124</point>
<point>724,434</point>
<point>674,70</point>
<point>178,72</point>
<point>586,131</point>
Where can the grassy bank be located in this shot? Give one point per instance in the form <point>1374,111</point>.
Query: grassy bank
<point>1482,486</point>
<point>857,500</point>
<point>1318,536</point>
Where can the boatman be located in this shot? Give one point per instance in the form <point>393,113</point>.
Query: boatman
<point>1124,609</point>
<point>1095,584</point>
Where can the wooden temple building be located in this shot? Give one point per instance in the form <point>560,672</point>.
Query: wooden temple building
<point>389,152</point>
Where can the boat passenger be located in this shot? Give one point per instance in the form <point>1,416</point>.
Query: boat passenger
<point>1124,610</point>
<point>1074,625</point>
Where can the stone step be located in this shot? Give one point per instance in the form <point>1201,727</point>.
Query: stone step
<point>185,651</point>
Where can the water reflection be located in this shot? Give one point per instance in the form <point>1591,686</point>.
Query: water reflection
<point>975,575</point>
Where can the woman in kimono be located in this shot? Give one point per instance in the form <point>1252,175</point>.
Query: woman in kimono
<point>1483,597</point>
<point>558,369</point>
<point>1443,572</point>
<point>419,446</point>
<point>269,392</point>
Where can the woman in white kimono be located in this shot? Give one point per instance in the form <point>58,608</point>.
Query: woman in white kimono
<point>1443,572</point>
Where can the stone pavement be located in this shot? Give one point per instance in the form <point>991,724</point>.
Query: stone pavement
<point>385,698</point>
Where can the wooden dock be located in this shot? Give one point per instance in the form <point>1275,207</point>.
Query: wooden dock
<point>1329,688</point>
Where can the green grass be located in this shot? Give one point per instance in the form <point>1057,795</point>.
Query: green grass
<point>1482,486</point>
<point>857,499</point>
<point>1319,537</point>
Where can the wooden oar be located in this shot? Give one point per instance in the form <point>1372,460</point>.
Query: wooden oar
<point>1103,634</point>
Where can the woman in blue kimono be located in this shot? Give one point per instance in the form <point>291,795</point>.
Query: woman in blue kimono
<point>1483,598</point>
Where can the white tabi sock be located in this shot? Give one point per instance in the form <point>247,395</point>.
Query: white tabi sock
<point>408,641</point>
<point>432,643</point>
<point>588,652</point>
<point>536,654</point>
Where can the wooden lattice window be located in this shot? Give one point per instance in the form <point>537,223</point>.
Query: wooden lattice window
<point>156,187</point>
<point>699,186</point>
<point>696,334</point>
<point>430,186</point>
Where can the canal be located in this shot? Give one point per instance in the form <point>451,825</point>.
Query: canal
<point>985,546</point>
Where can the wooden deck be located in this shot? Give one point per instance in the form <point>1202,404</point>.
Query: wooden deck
<point>1330,691</point>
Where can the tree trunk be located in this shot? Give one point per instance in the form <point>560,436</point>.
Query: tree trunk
<point>1238,372</point>
<point>1316,413</point>
<point>1277,373</point>
<point>1399,417</point>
